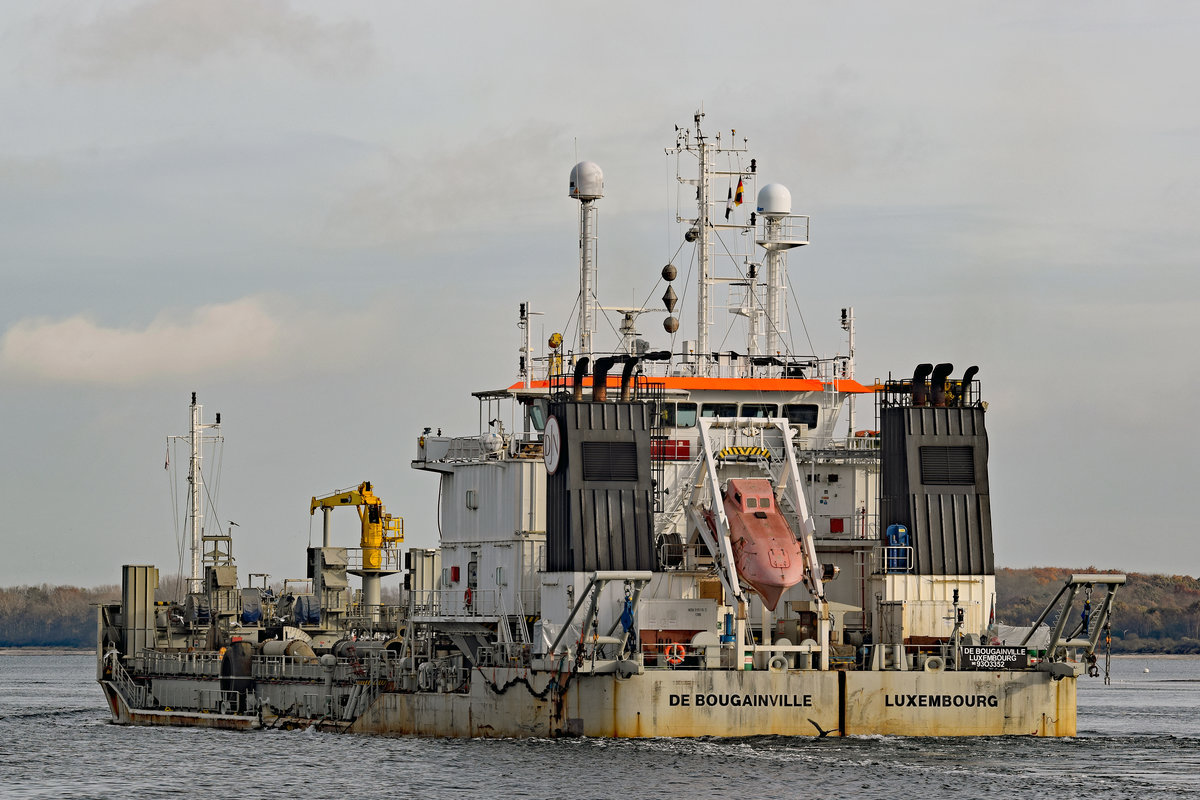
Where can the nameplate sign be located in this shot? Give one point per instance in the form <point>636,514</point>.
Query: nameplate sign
<point>989,657</point>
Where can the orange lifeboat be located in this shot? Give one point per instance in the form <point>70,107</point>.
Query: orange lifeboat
<point>766,552</point>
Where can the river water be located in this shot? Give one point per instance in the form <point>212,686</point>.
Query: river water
<point>1138,737</point>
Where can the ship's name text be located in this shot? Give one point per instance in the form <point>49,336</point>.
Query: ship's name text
<point>941,700</point>
<point>700,700</point>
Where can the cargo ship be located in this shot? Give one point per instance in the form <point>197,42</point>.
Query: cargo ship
<point>641,542</point>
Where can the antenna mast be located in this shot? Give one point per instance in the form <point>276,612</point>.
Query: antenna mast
<point>587,186</point>
<point>703,226</point>
<point>195,438</point>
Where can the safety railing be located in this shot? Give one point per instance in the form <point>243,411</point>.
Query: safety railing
<point>388,558</point>
<point>463,602</point>
<point>135,694</point>
<point>891,560</point>
<point>218,701</point>
<point>152,662</point>
<point>669,655</point>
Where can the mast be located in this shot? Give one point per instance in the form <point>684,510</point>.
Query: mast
<point>848,327</point>
<point>587,186</point>
<point>704,231</point>
<point>704,226</point>
<point>776,289</point>
<point>782,231</point>
<point>196,496</point>
<point>196,493</point>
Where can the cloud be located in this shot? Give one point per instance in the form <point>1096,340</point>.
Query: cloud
<point>253,337</point>
<point>494,183</point>
<point>184,32</point>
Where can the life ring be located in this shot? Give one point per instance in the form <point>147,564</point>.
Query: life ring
<point>467,597</point>
<point>675,654</point>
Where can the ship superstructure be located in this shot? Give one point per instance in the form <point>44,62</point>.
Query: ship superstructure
<point>647,542</point>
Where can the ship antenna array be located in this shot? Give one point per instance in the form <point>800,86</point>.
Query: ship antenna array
<point>197,490</point>
<point>781,231</point>
<point>587,186</point>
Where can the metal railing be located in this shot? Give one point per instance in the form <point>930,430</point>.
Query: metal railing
<point>135,694</point>
<point>152,662</point>
<point>391,558</point>
<point>891,560</point>
<point>455,603</point>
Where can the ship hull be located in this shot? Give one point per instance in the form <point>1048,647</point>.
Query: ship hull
<point>736,704</point>
<point>691,703</point>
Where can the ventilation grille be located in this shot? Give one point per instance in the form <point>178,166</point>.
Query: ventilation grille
<point>610,461</point>
<point>948,465</point>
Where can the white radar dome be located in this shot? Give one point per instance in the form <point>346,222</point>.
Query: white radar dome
<point>587,181</point>
<point>774,200</point>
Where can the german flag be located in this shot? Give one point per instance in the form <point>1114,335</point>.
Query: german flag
<point>737,196</point>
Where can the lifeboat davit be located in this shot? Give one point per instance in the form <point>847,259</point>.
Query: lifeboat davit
<point>766,552</point>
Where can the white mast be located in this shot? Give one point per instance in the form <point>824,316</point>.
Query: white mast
<point>753,312</point>
<point>587,186</point>
<point>703,229</point>
<point>195,502</point>
<point>702,226</point>
<point>848,327</point>
<point>196,491</point>
<point>781,231</point>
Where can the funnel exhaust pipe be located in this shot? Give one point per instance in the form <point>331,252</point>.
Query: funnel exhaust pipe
<point>920,388</point>
<point>627,378</point>
<point>600,378</point>
<point>940,373</point>
<point>965,392</point>
<point>581,368</point>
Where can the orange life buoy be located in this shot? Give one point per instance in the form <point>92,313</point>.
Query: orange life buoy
<point>467,597</point>
<point>675,654</point>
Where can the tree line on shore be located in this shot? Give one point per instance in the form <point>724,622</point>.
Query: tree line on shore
<point>1153,613</point>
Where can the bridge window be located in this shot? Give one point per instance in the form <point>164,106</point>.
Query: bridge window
<point>802,413</point>
<point>760,410</point>
<point>718,410</point>
<point>679,415</point>
<point>537,415</point>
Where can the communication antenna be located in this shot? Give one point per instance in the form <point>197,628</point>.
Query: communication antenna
<point>781,231</point>
<point>196,438</point>
<point>587,186</point>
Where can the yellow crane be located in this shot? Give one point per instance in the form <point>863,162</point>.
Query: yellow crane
<point>379,528</point>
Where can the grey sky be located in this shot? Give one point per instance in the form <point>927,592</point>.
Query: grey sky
<point>321,217</point>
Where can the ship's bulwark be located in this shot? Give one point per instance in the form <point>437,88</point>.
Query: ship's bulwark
<point>684,703</point>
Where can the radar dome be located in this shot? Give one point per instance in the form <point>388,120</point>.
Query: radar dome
<point>587,181</point>
<point>774,200</point>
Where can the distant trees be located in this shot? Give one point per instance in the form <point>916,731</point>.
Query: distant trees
<point>51,616</point>
<point>1153,613</point>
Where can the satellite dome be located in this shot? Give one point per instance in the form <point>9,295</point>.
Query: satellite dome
<point>587,181</point>
<point>774,200</point>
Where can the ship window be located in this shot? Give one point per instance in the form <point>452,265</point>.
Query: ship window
<point>801,414</point>
<point>680,415</point>
<point>718,410</point>
<point>537,415</point>
<point>759,410</point>
<point>610,461</point>
<point>764,502</point>
<point>751,502</point>
<point>943,465</point>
